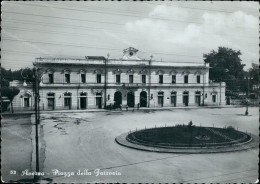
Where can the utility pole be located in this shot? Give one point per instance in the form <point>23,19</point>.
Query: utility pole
<point>203,86</point>
<point>36,88</point>
<point>149,86</point>
<point>36,85</point>
<point>247,100</point>
<point>105,93</point>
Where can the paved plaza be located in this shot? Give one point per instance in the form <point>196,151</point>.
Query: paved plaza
<point>78,141</point>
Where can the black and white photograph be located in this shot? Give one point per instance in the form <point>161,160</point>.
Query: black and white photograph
<point>129,91</point>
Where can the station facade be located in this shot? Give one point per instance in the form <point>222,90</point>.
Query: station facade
<point>96,82</point>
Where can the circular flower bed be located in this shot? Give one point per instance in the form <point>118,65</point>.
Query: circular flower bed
<point>187,136</point>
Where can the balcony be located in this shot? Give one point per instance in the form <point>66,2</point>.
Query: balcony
<point>130,85</point>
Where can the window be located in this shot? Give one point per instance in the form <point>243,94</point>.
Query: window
<point>83,78</point>
<point>160,79</point>
<point>99,78</point>
<point>67,78</point>
<point>50,77</point>
<point>198,78</point>
<point>186,79</point>
<point>214,98</point>
<point>26,102</point>
<point>173,79</point>
<point>143,79</point>
<point>118,80</point>
<point>131,79</point>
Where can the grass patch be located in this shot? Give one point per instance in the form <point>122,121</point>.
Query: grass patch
<point>188,135</point>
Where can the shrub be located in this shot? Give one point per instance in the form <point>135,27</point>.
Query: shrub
<point>230,128</point>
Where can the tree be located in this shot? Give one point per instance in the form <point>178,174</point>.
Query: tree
<point>226,67</point>
<point>10,93</point>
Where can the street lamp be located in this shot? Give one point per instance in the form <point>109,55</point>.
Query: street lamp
<point>106,61</point>
<point>37,74</point>
<point>149,86</point>
<point>247,100</point>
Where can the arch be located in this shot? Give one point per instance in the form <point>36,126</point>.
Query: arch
<point>198,98</point>
<point>174,98</point>
<point>160,98</point>
<point>143,99</point>
<point>83,100</point>
<point>67,100</point>
<point>66,71</point>
<point>83,94</point>
<point>186,98</point>
<point>118,99</point>
<point>50,94</point>
<point>51,101</point>
<point>130,99</point>
<point>99,100</point>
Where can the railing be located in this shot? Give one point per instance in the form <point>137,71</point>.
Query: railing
<point>129,84</point>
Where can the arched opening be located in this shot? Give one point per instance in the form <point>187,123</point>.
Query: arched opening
<point>83,100</point>
<point>143,99</point>
<point>99,100</point>
<point>186,98</point>
<point>67,100</point>
<point>51,101</point>
<point>118,99</point>
<point>197,97</point>
<point>160,99</point>
<point>173,98</point>
<point>130,99</point>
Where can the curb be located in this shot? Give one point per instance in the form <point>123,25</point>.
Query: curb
<point>130,109</point>
<point>121,140</point>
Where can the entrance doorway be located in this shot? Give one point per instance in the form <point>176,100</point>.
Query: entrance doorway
<point>143,99</point>
<point>51,102</point>
<point>130,99</point>
<point>99,100</point>
<point>118,99</point>
<point>160,99</point>
<point>67,100</point>
<point>197,98</point>
<point>83,100</point>
<point>186,98</point>
<point>173,98</point>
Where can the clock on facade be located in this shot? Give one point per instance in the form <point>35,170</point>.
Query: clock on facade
<point>130,53</point>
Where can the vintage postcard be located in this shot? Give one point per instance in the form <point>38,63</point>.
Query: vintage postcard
<point>129,92</point>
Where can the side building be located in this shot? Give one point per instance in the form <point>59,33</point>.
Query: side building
<point>96,82</point>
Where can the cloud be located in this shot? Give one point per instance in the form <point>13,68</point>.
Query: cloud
<point>212,30</point>
<point>234,20</point>
<point>169,11</point>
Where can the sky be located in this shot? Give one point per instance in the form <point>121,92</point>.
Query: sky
<point>177,31</point>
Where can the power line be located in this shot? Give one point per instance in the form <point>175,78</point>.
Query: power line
<point>85,46</point>
<point>181,21</point>
<point>194,8</point>
<point>91,28</point>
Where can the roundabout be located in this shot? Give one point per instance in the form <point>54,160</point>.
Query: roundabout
<point>188,139</point>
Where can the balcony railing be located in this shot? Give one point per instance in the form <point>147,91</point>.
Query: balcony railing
<point>130,84</point>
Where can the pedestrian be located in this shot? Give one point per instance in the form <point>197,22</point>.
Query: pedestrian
<point>120,106</point>
<point>126,107</point>
<point>138,105</point>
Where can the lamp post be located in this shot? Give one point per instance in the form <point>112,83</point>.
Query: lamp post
<point>37,74</point>
<point>149,86</point>
<point>247,100</point>
<point>105,93</point>
<point>203,87</point>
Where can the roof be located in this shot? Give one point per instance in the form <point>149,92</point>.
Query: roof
<point>95,57</point>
